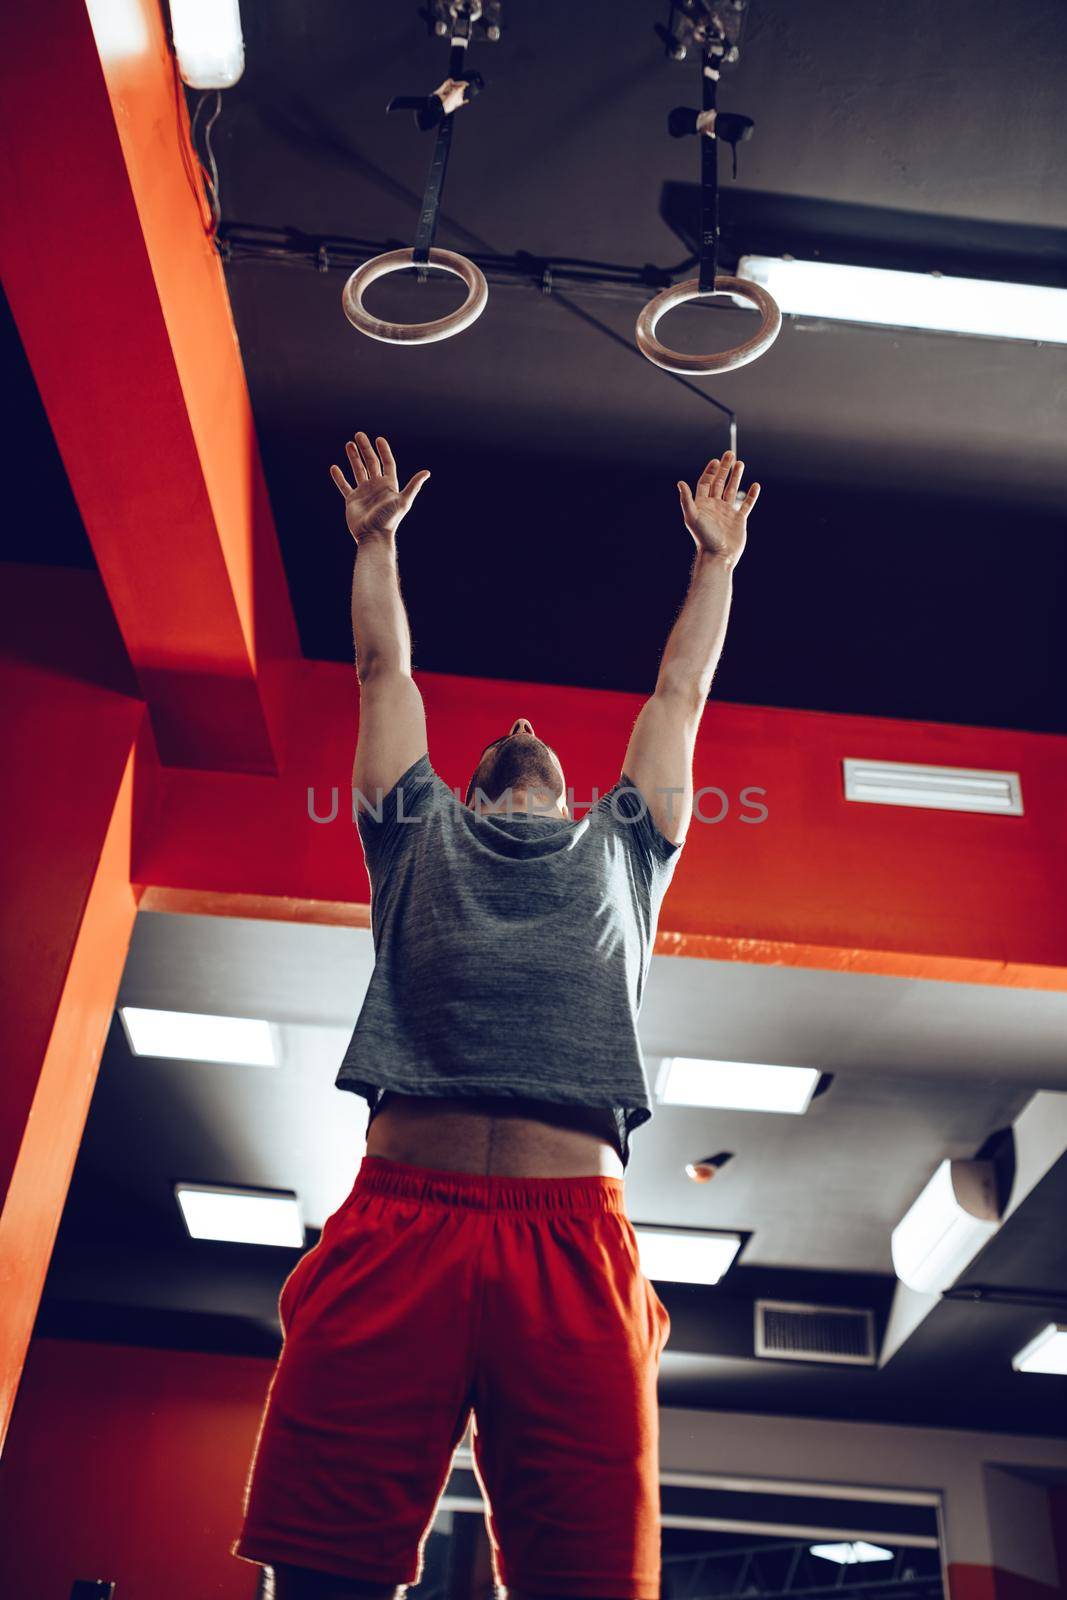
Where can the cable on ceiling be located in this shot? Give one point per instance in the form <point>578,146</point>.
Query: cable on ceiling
<point>210,174</point>
<point>547,275</point>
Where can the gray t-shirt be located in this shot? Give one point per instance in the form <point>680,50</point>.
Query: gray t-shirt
<point>511,952</point>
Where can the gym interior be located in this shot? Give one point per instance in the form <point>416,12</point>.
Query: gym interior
<point>851,1195</point>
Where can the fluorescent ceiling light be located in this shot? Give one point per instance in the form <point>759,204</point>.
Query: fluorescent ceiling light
<point>240,1216</point>
<point>848,1554</point>
<point>735,1085</point>
<point>1046,1353</point>
<point>680,1257</point>
<point>208,42</point>
<point>911,299</point>
<point>192,1036</point>
<point>901,783</point>
<point>947,1226</point>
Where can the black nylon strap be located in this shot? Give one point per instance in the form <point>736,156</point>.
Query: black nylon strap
<point>431,195</point>
<point>709,183</point>
<point>435,178</point>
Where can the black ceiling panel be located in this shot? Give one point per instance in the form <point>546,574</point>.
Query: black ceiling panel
<point>909,555</point>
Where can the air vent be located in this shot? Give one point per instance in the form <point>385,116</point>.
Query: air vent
<point>898,783</point>
<point>789,1332</point>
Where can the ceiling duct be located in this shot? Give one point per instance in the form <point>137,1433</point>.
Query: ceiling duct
<point>786,1331</point>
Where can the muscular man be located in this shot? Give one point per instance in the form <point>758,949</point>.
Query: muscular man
<point>484,1261</point>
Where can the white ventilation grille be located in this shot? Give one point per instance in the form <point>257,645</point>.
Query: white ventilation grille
<point>899,783</point>
<point>789,1332</point>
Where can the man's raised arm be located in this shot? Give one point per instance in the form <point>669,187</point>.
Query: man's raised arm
<point>659,758</point>
<point>392,721</point>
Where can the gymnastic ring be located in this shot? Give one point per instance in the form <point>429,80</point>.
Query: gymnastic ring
<point>414,332</point>
<point>724,360</point>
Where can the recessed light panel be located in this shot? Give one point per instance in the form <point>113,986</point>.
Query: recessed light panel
<point>686,1257</point>
<point>735,1085</point>
<point>240,1216</point>
<point>195,1036</point>
<point>1046,1353</point>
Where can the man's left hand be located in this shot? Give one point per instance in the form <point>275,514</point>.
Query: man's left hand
<point>718,524</point>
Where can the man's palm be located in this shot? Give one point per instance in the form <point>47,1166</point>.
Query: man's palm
<point>374,507</point>
<point>712,515</point>
<point>374,504</point>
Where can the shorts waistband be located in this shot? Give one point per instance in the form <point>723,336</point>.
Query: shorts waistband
<point>488,1191</point>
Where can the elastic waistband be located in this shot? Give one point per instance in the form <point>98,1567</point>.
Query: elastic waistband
<point>486,1191</point>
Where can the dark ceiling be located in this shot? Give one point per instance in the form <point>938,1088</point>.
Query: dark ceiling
<point>42,524</point>
<point>909,557</point>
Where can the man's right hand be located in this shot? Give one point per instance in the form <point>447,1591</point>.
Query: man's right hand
<point>374,505</point>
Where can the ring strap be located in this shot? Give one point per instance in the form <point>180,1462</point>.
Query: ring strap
<point>435,179</point>
<point>709,180</point>
<point>431,196</point>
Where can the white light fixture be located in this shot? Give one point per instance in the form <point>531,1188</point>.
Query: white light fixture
<point>928,300</point>
<point>846,1555</point>
<point>120,30</point>
<point>949,1223</point>
<point>680,1257</point>
<point>193,1036</point>
<point>208,42</point>
<point>735,1085</point>
<point>1046,1353</point>
<point>902,783</point>
<point>240,1216</point>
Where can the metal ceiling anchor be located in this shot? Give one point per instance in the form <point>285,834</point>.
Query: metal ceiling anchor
<point>455,19</point>
<point>714,28</point>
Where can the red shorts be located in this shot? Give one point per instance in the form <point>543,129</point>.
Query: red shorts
<point>434,1294</point>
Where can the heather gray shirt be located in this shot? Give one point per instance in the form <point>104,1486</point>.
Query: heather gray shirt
<point>511,953</point>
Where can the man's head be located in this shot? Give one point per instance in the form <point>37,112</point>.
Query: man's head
<point>522,765</point>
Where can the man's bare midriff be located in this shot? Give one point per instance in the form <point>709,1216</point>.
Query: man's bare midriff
<point>506,1138</point>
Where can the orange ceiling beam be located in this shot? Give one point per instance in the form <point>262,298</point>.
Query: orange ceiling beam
<point>122,307</point>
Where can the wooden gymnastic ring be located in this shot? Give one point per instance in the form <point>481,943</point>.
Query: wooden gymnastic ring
<point>724,360</point>
<point>414,332</point>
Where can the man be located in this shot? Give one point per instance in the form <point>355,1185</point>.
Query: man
<point>484,1261</point>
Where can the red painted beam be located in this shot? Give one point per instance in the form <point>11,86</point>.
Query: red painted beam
<point>121,304</point>
<point>68,912</point>
<point>821,882</point>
